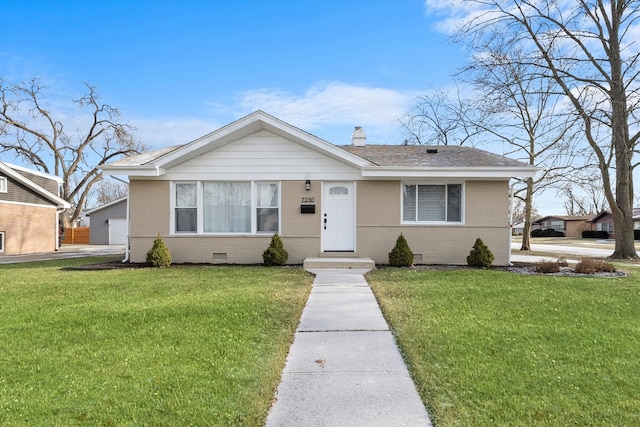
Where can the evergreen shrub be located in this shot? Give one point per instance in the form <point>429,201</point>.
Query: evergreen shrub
<point>480,255</point>
<point>275,254</point>
<point>159,255</point>
<point>593,234</point>
<point>401,255</point>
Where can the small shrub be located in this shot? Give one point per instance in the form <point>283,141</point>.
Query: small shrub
<point>548,267</point>
<point>159,255</point>
<point>275,254</point>
<point>480,255</point>
<point>593,266</point>
<point>401,255</point>
<point>563,262</point>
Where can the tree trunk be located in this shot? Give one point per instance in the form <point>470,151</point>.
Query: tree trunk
<point>528,208</point>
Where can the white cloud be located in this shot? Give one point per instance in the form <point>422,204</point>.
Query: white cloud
<point>333,103</point>
<point>165,132</point>
<point>330,110</point>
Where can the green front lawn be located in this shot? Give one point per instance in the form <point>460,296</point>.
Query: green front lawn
<point>198,346</point>
<point>493,348</point>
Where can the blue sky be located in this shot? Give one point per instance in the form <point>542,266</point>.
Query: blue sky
<point>180,69</point>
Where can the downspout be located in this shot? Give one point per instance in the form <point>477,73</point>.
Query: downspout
<point>510,222</point>
<point>57,228</point>
<point>126,249</point>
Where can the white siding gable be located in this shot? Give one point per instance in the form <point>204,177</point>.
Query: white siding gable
<point>263,156</point>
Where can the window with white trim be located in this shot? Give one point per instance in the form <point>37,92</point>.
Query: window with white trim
<point>431,203</point>
<point>186,209</point>
<point>1,241</point>
<point>207,207</point>
<point>3,184</point>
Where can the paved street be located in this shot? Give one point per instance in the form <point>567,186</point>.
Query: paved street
<point>573,250</point>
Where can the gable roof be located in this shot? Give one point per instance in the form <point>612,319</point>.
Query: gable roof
<point>600,215</point>
<point>106,205</point>
<point>11,171</point>
<point>373,161</point>
<point>563,218</point>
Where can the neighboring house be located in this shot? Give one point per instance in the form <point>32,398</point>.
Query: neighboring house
<point>109,223</point>
<point>517,229</point>
<point>29,210</point>
<point>571,226</point>
<point>220,198</point>
<point>604,222</point>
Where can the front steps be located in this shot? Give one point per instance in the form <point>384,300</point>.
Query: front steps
<point>338,262</point>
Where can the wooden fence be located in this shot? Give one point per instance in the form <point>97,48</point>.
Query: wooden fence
<point>78,235</point>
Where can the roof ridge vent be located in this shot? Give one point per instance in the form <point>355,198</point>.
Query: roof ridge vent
<point>358,138</point>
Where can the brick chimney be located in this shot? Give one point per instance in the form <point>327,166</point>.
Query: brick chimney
<point>359,138</point>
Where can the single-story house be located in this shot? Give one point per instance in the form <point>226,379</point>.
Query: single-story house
<point>571,226</point>
<point>220,198</point>
<point>517,229</point>
<point>29,210</point>
<point>108,223</point>
<point>604,222</point>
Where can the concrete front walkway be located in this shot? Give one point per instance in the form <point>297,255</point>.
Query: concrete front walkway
<point>344,367</point>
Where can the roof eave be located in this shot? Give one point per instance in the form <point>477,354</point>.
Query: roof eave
<point>134,170</point>
<point>58,201</point>
<point>448,172</point>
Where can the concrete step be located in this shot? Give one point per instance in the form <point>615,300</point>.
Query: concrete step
<point>338,255</point>
<point>349,263</point>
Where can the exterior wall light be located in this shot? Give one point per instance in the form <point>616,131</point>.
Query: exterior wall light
<point>307,185</point>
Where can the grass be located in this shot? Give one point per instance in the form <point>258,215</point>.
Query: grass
<point>495,348</point>
<point>198,346</point>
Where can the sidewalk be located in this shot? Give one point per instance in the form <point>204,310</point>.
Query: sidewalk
<point>344,368</point>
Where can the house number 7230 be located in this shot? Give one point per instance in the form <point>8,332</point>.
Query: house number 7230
<point>308,200</point>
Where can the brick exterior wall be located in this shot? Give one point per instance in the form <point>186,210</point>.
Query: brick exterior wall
<point>28,228</point>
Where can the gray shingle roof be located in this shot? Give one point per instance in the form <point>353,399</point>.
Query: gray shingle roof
<point>417,156</point>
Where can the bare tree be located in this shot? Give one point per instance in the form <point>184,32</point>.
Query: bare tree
<point>442,118</point>
<point>589,49</point>
<point>524,113</point>
<point>108,190</point>
<point>32,133</point>
<point>583,195</point>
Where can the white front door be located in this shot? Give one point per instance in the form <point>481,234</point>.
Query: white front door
<point>338,217</point>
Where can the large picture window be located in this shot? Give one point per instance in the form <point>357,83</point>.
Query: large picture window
<point>428,203</point>
<point>226,207</point>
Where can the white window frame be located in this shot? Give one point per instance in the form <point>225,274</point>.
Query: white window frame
<point>440,183</point>
<point>174,207</point>
<point>2,241</point>
<point>3,184</point>
<point>200,210</point>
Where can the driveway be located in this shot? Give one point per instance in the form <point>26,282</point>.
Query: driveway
<point>66,251</point>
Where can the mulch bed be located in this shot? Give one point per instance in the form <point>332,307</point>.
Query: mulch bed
<point>518,268</point>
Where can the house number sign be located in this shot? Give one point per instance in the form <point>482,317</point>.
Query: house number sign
<point>308,200</point>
